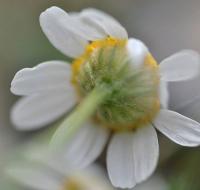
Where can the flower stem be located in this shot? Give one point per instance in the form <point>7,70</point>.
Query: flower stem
<point>75,120</point>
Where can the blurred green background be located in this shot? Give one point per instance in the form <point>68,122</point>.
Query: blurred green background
<point>166,26</point>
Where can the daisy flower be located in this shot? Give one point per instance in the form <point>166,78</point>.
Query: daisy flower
<point>120,89</point>
<point>37,176</point>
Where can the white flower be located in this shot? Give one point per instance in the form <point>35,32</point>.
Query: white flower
<point>48,92</point>
<point>38,176</point>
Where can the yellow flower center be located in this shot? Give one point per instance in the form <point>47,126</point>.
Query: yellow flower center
<point>71,184</point>
<point>90,49</point>
<point>134,101</point>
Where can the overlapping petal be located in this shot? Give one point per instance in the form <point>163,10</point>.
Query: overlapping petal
<point>70,33</point>
<point>137,51</point>
<point>191,109</point>
<point>56,24</point>
<point>164,94</point>
<point>86,145</point>
<point>38,110</point>
<point>184,92</point>
<point>132,157</point>
<point>104,22</point>
<point>183,65</point>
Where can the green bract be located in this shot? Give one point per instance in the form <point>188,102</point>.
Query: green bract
<point>133,98</point>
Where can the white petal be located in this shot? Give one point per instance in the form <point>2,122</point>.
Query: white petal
<point>47,76</point>
<point>78,152</point>
<point>36,111</point>
<point>154,183</point>
<point>178,128</point>
<point>84,28</point>
<point>180,66</point>
<point>137,51</point>
<point>92,23</point>
<point>164,94</point>
<point>184,92</point>
<point>41,153</point>
<point>56,24</point>
<point>86,145</point>
<point>191,110</point>
<point>35,177</point>
<point>132,157</point>
<point>106,22</point>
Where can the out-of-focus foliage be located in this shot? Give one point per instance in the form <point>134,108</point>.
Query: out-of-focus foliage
<point>185,171</point>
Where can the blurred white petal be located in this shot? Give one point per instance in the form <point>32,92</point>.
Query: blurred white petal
<point>164,94</point>
<point>183,92</point>
<point>36,177</point>
<point>56,24</point>
<point>47,76</point>
<point>86,145</point>
<point>91,22</point>
<point>132,157</point>
<point>36,111</point>
<point>191,110</point>
<point>178,128</point>
<point>84,28</point>
<point>137,51</point>
<point>183,65</point>
<point>102,20</point>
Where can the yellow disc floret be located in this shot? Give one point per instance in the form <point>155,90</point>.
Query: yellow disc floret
<point>94,46</point>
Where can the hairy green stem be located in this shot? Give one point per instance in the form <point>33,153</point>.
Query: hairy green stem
<point>75,120</point>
